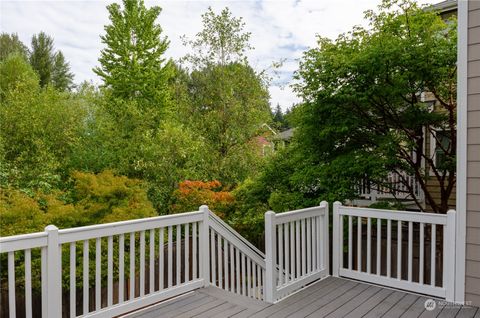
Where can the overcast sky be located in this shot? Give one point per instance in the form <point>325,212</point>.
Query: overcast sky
<point>280,29</point>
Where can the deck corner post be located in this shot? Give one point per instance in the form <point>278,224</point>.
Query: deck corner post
<point>326,237</point>
<point>449,256</point>
<point>336,249</point>
<point>54,275</point>
<point>204,246</point>
<point>270,257</point>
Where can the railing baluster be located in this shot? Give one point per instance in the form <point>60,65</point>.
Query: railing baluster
<point>410,250</point>
<point>264,288</point>
<point>98,273</point>
<point>121,268</point>
<point>340,239</point>
<point>314,244</point>
<point>219,258</point>
<point>320,238</point>
<point>73,283</point>
<point>43,274</point>
<point>187,252</point>
<point>86,289</point>
<point>422,253</point>
<point>379,246</point>
<point>110,271</point>
<point>303,236</point>
<point>232,273</point>
<point>369,244</point>
<point>259,282</point>
<point>254,279</point>
<point>249,278</point>
<point>399,250</point>
<point>237,269</point>
<point>433,244</point>
<point>297,248</point>
<point>132,265</point>
<point>225,263</point>
<point>350,242</point>
<point>309,246</point>
<point>359,244</point>
<point>170,258</point>
<point>11,285</point>
<point>213,258</point>
<point>244,288</point>
<point>389,248</point>
<point>280,256</point>
<point>161,260</point>
<point>287,253</point>
<point>178,254</point>
<point>194,251</point>
<point>28,283</point>
<point>142,264</point>
<point>151,266</point>
<point>292,250</point>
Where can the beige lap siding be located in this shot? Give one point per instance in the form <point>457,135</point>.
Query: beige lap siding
<point>472,271</point>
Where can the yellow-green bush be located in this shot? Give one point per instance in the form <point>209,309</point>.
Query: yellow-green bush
<point>95,199</point>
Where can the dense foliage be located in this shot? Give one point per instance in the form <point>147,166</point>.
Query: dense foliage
<point>161,137</point>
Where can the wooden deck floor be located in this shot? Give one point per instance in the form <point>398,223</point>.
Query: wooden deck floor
<point>331,297</point>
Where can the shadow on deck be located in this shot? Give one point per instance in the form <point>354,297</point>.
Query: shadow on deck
<point>330,297</point>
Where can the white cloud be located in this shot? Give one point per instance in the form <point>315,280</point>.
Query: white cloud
<point>281,29</point>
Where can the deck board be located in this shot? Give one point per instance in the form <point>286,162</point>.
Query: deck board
<point>331,297</point>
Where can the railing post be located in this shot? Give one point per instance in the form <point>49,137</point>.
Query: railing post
<point>54,276</point>
<point>204,246</point>
<point>270,257</point>
<point>336,248</point>
<point>449,256</point>
<point>326,237</point>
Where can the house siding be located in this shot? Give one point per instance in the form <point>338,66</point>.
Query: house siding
<point>472,270</point>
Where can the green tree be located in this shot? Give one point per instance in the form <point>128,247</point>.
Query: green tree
<point>62,78</point>
<point>39,128</point>
<point>10,43</point>
<point>133,65</point>
<point>51,66</point>
<point>362,112</point>
<point>221,41</point>
<point>227,100</point>
<point>41,58</point>
<point>279,118</point>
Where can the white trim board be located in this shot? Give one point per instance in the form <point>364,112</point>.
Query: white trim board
<point>462,64</point>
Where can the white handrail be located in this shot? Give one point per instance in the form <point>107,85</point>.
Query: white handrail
<point>234,233</point>
<point>296,247</point>
<point>236,265</point>
<point>151,237</point>
<point>369,262</point>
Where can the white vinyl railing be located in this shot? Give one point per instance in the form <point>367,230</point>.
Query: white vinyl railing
<point>296,245</point>
<point>395,186</point>
<point>153,259</point>
<point>109,269</point>
<point>377,241</point>
<point>235,264</point>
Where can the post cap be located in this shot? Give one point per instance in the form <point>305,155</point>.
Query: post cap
<point>51,227</point>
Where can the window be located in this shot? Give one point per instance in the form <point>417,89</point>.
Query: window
<point>440,143</point>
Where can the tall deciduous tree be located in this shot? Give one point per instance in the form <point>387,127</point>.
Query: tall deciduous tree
<point>133,65</point>
<point>228,99</point>
<point>363,113</point>
<point>221,41</point>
